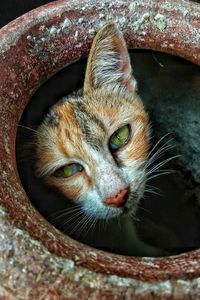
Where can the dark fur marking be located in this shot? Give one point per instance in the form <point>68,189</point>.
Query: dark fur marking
<point>51,118</point>
<point>85,122</point>
<point>93,119</point>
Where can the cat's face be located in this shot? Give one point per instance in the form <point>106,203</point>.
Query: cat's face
<point>93,148</point>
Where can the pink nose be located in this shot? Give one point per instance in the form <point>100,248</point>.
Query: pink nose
<point>118,199</point>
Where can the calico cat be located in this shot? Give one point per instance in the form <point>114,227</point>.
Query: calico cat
<point>93,148</point>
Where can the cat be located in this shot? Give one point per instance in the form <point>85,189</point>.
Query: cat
<point>93,147</point>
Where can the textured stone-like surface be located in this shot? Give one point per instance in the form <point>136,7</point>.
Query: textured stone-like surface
<point>37,261</point>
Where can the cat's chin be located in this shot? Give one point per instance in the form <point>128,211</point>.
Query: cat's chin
<point>98,210</point>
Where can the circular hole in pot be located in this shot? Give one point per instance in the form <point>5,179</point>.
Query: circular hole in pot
<point>168,216</point>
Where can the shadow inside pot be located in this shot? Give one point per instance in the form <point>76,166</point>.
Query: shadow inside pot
<point>169,215</point>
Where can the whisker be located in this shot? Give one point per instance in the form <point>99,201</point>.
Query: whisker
<point>92,225</point>
<point>160,170</point>
<point>156,59</point>
<point>162,163</point>
<point>144,209</point>
<point>160,152</point>
<point>71,226</point>
<point>154,187</point>
<point>87,225</point>
<point>133,216</point>
<point>78,215</point>
<point>159,141</point>
<point>156,175</point>
<point>63,212</point>
<point>28,128</point>
<point>68,209</point>
<point>84,226</point>
<point>82,220</point>
<point>151,191</point>
<point>72,214</point>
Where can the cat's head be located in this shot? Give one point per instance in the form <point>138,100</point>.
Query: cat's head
<point>93,148</point>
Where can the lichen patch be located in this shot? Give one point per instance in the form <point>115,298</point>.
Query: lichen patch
<point>138,23</point>
<point>160,21</point>
<point>132,7</point>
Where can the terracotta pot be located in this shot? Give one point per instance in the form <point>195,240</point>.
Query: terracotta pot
<point>36,260</point>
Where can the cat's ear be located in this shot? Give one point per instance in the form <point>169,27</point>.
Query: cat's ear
<point>108,64</point>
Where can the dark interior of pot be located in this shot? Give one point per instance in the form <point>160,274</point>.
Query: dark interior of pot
<point>169,215</point>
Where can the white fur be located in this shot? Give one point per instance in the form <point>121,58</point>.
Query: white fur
<point>109,180</point>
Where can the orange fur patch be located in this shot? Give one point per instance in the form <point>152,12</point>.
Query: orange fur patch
<point>71,191</point>
<point>139,149</point>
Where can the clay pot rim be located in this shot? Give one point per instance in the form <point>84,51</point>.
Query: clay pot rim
<point>20,41</point>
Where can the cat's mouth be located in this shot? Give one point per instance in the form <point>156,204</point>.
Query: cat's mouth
<point>129,203</point>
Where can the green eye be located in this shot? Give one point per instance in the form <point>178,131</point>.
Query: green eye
<point>68,170</point>
<point>119,137</point>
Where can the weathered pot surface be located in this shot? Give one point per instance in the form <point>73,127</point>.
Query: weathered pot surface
<point>37,261</point>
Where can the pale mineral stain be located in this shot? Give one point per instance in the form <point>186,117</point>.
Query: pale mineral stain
<point>80,20</point>
<point>2,213</point>
<point>67,23</point>
<point>138,24</point>
<point>93,254</point>
<point>121,21</point>
<point>76,35</point>
<point>120,281</point>
<point>29,37</point>
<point>18,232</point>
<point>53,30</point>
<point>91,31</point>
<point>78,45</point>
<point>132,7</point>
<point>164,287</point>
<point>67,264</point>
<point>101,16</point>
<point>185,284</point>
<point>160,21</point>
